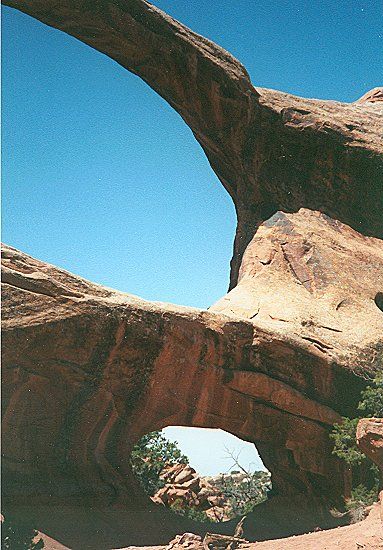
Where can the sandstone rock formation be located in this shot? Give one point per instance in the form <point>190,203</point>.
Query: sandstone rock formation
<point>373,96</point>
<point>369,437</point>
<point>185,489</point>
<point>88,370</point>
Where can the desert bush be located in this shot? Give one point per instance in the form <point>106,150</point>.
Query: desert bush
<point>365,474</point>
<point>372,398</point>
<point>149,457</point>
<point>17,535</point>
<point>243,493</point>
<point>189,512</point>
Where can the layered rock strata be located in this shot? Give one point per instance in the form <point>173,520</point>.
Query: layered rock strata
<point>89,370</point>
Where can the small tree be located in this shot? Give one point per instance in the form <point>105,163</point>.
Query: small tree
<point>17,535</point>
<point>345,446</point>
<point>191,513</point>
<point>365,473</point>
<point>149,457</point>
<point>372,398</point>
<point>242,494</point>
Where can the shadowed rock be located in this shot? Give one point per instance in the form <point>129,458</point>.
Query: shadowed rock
<point>369,436</point>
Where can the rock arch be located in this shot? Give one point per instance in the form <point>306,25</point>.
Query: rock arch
<point>271,151</point>
<point>277,360</point>
<point>88,370</point>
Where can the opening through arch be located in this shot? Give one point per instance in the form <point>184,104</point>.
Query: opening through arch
<point>203,474</point>
<point>96,143</point>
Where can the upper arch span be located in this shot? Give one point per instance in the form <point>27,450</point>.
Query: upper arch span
<point>271,151</point>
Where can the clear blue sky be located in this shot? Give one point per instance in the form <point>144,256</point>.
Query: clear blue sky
<point>209,450</point>
<point>101,177</point>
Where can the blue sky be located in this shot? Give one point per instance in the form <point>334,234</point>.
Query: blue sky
<point>211,451</point>
<point>102,178</point>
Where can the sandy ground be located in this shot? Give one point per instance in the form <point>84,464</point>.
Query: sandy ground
<point>364,535</point>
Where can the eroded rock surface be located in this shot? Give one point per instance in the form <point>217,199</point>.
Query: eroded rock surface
<point>373,96</point>
<point>308,276</point>
<point>369,436</point>
<point>89,370</point>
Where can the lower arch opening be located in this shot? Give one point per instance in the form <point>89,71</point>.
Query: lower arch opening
<point>203,474</point>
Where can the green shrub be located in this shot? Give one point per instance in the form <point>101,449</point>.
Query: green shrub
<point>242,495</point>
<point>189,512</point>
<point>16,535</point>
<point>372,399</point>
<point>345,446</point>
<point>149,457</point>
<point>365,474</point>
<point>361,497</point>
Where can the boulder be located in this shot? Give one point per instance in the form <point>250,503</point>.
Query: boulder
<point>185,488</point>
<point>170,472</point>
<point>216,500</point>
<point>187,540</point>
<point>192,483</point>
<point>369,436</point>
<point>185,475</point>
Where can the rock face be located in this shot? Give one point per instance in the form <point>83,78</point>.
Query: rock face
<point>294,281</point>
<point>184,488</point>
<point>88,370</point>
<point>272,151</point>
<point>369,436</point>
